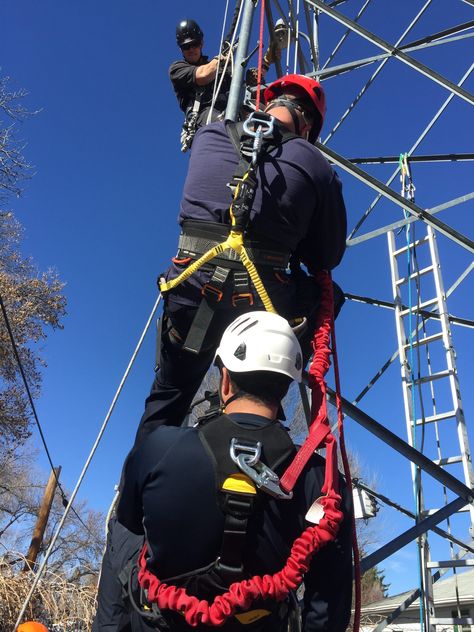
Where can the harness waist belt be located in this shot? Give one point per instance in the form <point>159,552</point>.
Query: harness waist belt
<point>199,237</point>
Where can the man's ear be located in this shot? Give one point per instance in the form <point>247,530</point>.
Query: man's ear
<point>226,386</point>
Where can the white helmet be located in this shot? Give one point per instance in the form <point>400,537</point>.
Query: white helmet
<point>261,341</point>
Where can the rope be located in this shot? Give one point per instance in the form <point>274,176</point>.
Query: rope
<point>348,476</point>
<point>260,54</point>
<point>319,428</point>
<point>215,90</point>
<point>407,191</point>
<point>241,595</point>
<point>86,466</point>
<point>217,86</point>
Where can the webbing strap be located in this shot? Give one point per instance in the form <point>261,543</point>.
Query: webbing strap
<point>212,293</point>
<point>243,149</point>
<point>197,100</point>
<point>238,508</point>
<point>312,443</point>
<point>234,135</point>
<point>320,431</point>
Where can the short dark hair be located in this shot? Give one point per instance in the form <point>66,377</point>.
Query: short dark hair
<point>265,387</point>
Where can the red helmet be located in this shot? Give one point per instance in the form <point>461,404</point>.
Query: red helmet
<point>32,626</point>
<point>300,85</point>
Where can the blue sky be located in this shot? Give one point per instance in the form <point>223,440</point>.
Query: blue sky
<point>103,202</point>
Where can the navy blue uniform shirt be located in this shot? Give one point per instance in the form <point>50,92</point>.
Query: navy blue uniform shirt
<point>183,78</point>
<point>298,204</point>
<point>169,494</point>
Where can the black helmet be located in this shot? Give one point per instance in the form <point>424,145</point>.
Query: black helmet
<point>188,31</point>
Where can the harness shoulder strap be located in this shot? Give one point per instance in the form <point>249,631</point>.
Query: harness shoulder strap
<point>217,434</point>
<point>190,118</point>
<point>236,493</point>
<point>235,131</point>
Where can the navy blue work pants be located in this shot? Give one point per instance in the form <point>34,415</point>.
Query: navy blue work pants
<point>181,372</point>
<point>112,612</point>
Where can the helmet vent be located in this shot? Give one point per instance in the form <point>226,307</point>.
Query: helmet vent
<point>249,326</point>
<point>238,322</point>
<point>298,362</point>
<point>241,351</point>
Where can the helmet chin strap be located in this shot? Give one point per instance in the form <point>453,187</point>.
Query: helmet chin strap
<point>290,106</point>
<point>230,399</point>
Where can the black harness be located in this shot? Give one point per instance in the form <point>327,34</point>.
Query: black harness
<point>246,463</point>
<point>240,458</point>
<point>190,121</point>
<point>198,237</point>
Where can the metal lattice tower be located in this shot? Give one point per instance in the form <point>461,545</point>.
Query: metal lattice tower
<point>420,303</point>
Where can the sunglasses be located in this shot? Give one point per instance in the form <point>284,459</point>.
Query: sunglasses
<point>190,45</point>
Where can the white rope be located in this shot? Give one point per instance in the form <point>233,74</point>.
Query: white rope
<point>86,466</point>
<point>217,86</point>
<point>215,92</point>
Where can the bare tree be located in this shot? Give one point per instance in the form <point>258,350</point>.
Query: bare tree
<point>78,550</point>
<point>13,166</point>
<point>32,301</point>
<point>19,495</point>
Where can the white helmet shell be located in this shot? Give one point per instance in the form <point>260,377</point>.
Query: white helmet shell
<point>261,341</point>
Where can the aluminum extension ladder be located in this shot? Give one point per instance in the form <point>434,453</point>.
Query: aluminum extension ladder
<point>427,343</point>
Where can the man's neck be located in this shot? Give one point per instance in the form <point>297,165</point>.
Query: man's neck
<point>249,406</point>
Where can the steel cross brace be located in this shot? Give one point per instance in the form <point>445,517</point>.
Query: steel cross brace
<point>441,532</point>
<point>401,446</point>
<point>395,52</point>
<point>392,195</point>
<point>409,220</point>
<point>369,561</point>
<point>335,71</point>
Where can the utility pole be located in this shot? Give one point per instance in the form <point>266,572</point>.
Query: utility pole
<point>42,520</point>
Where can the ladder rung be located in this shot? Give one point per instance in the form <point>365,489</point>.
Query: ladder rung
<point>430,512</point>
<point>452,622</point>
<point>418,308</point>
<point>440,417</point>
<point>450,564</point>
<point>433,377</point>
<point>415,275</point>
<point>416,243</point>
<point>425,341</point>
<point>451,460</point>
